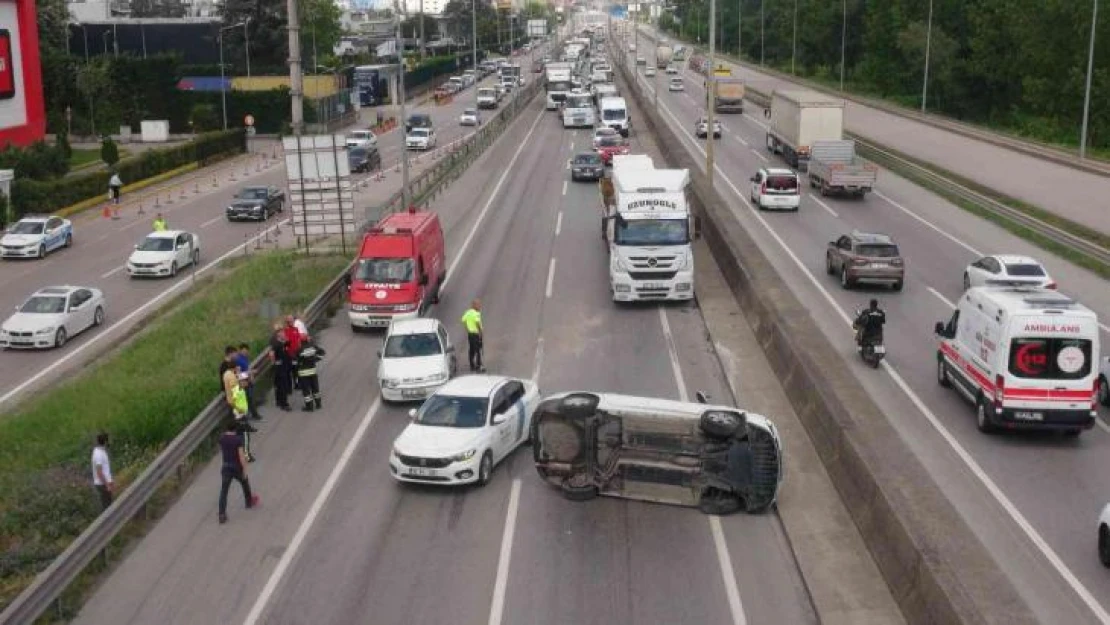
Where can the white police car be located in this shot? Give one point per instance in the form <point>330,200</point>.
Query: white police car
<point>35,236</point>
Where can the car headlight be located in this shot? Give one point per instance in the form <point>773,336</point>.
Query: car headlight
<point>387,383</point>
<point>464,456</point>
<point>618,264</point>
<point>404,307</point>
<point>439,377</point>
<point>686,258</point>
<point>395,452</point>
<point>45,331</point>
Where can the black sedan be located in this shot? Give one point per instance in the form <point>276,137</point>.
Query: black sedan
<point>364,159</point>
<point>256,204</point>
<point>587,166</point>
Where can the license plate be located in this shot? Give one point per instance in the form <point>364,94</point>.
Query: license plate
<point>413,393</point>
<point>655,285</point>
<point>1028,416</point>
<point>877,265</point>
<point>879,349</point>
<point>423,472</point>
<point>378,323</point>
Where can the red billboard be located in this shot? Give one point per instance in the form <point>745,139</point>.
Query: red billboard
<point>22,111</point>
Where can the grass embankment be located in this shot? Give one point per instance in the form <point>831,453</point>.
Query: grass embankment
<point>142,394</point>
<point>81,158</point>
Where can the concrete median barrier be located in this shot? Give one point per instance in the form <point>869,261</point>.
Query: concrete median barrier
<point>935,566</point>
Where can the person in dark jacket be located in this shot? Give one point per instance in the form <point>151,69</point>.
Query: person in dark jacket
<point>281,367</point>
<point>234,468</point>
<point>308,357</point>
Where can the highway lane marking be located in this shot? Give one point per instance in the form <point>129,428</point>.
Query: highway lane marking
<point>930,224</point>
<point>559,219</point>
<point>309,520</point>
<point>133,314</point>
<point>942,298</point>
<point>732,590</point>
<point>823,205</point>
<point>973,466</point>
<point>113,272</point>
<point>564,187</point>
<point>501,582</point>
<point>212,221</point>
<point>550,277</point>
<point>537,364</point>
<point>489,202</point>
<point>757,153</point>
<point>739,138</point>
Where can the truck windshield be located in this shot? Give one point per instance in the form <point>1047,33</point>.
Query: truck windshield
<point>612,114</point>
<point>578,102</point>
<point>1050,358</point>
<point>559,85</point>
<point>384,270</point>
<point>649,232</point>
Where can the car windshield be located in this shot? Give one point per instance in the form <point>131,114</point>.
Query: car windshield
<point>44,305</point>
<point>470,112</point>
<point>487,92</point>
<point>604,132</point>
<point>360,135</point>
<point>558,85</point>
<point>156,244</point>
<point>612,114</point>
<point>28,227</point>
<point>1050,358</point>
<point>878,251</point>
<point>384,270</point>
<point>412,346</point>
<point>453,412</point>
<point>356,153</point>
<point>650,232</point>
<point>578,102</point>
<point>587,159</point>
<point>608,142</point>
<point>1025,270</point>
<point>251,193</point>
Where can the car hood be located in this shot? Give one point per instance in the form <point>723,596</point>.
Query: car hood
<point>412,368</point>
<point>142,256</point>
<point>436,441</point>
<point>31,322</point>
<point>247,203</point>
<point>374,294</point>
<point>20,239</point>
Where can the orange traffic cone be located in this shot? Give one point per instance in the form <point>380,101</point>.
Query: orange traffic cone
<point>107,212</point>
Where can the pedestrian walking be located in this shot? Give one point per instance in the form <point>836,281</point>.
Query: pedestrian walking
<point>280,368</point>
<point>159,224</point>
<point>232,449</point>
<point>472,321</point>
<point>115,187</point>
<point>308,358</point>
<point>102,471</point>
<point>243,362</point>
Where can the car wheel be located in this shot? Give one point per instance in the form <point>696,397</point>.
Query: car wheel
<point>718,502</point>
<point>718,424</point>
<point>967,281</point>
<point>578,488</point>
<point>982,421</point>
<point>1104,546</point>
<point>829,265</point>
<point>1103,391</point>
<point>173,269</point>
<point>42,251</point>
<point>196,257</point>
<point>69,240</point>
<point>845,281</point>
<point>60,338</point>
<point>485,469</point>
<point>897,286</point>
<point>942,373</point>
<point>579,406</point>
<point>98,316</point>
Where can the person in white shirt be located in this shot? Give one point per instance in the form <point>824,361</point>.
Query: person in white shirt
<point>300,326</point>
<point>102,470</point>
<point>114,187</point>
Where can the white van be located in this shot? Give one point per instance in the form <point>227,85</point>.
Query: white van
<point>614,114</point>
<point>1026,357</point>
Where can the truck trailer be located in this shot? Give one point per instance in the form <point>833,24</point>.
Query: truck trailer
<point>728,95</point>
<point>835,168</point>
<point>798,120</point>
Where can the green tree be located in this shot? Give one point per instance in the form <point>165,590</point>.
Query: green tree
<point>269,39</point>
<point>203,118</point>
<point>109,153</point>
<point>320,32</point>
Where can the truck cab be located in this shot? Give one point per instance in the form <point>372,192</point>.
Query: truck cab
<point>578,111</point>
<point>614,114</point>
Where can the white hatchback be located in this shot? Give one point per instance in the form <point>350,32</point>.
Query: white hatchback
<point>464,429</point>
<point>775,188</point>
<point>1008,268</point>
<point>162,254</point>
<point>416,359</point>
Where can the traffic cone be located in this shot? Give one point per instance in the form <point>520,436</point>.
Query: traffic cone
<point>107,212</point>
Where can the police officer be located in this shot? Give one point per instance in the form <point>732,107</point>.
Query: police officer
<point>472,321</point>
<point>308,357</point>
<point>159,224</point>
<point>240,410</point>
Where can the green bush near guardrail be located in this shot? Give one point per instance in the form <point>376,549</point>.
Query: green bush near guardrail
<point>34,196</point>
<point>143,395</point>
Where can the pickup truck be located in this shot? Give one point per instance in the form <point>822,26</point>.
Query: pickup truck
<point>835,168</point>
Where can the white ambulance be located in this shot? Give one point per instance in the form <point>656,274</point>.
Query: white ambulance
<point>1026,357</point>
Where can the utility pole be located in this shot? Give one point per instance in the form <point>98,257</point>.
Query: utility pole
<point>928,45</point>
<point>794,39</point>
<point>711,85</point>
<point>474,48</point>
<point>843,38</point>
<point>405,198</point>
<point>1087,94</point>
<point>247,43</point>
<point>296,77</point>
<point>740,30</point>
<point>421,18</point>
<point>762,27</point>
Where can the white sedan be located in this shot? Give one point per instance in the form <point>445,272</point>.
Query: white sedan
<point>1009,268</point>
<point>602,134</point>
<point>51,315</point>
<point>470,117</point>
<point>676,84</point>
<point>420,139</point>
<point>649,72</point>
<point>464,429</point>
<point>163,253</point>
<point>35,236</point>
<point>416,359</point>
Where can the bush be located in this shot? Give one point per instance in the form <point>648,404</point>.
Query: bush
<point>109,153</point>
<point>38,161</point>
<point>35,196</point>
<point>203,117</point>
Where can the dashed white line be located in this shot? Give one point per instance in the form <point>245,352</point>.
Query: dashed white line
<point>550,277</point>
<point>565,184</point>
<point>108,274</point>
<point>942,298</point>
<point>559,221</point>
<point>212,221</point>
<point>824,205</point>
<point>928,223</point>
<point>739,138</point>
<point>501,582</point>
<point>757,153</point>
<point>537,363</point>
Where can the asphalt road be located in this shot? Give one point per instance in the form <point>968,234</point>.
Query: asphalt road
<point>525,240</point>
<point>101,246</point>
<point>1032,499</point>
<point>1072,193</point>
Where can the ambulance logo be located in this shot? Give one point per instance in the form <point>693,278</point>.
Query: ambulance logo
<point>1070,359</point>
<point>380,294</point>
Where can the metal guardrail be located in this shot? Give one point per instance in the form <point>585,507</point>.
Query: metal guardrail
<point>52,582</point>
<point>884,156</point>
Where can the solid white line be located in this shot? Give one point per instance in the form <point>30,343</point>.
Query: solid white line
<point>564,187</point>
<point>740,139</point>
<point>823,205</point>
<point>672,352</point>
<point>489,202</point>
<point>180,284</point>
<point>537,363</point>
<point>550,277</point>
<point>212,221</point>
<point>559,221</point>
<point>497,607</point>
<point>313,512</point>
<point>113,272</point>
<point>1000,497</point>
<point>936,228</point>
<point>942,298</point>
<point>757,153</point>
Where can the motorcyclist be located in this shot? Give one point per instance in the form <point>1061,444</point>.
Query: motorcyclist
<point>869,325</point>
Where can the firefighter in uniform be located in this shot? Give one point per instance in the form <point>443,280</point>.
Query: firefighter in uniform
<point>307,359</point>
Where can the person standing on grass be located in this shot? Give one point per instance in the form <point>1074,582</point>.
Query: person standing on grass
<point>234,468</point>
<point>243,362</point>
<point>102,471</point>
<point>279,360</point>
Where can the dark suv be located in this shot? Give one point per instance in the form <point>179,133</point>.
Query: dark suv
<point>865,257</point>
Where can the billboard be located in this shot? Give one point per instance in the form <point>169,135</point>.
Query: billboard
<point>22,112</point>
<point>321,193</point>
<point>537,28</point>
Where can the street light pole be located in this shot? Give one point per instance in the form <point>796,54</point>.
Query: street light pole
<point>401,99</point>
<point>740,30</point>
<point>223,85</point>
<point>247,43</point>
<point>843,38</point>
<point>474,48</point>
<point>762,27</point>
<point>296,75</point>
<point>1087,93</point>
<point>794,39</point>
<point>928,47</point>
<point>712,88</point>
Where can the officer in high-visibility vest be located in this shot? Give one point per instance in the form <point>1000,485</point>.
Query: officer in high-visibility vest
<point>240,408</point>
<point>308,357</point>
<point>159,224</point>
<point>472,321</point>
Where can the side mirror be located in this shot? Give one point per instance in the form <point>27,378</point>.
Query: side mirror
<point>412,413</point>
<point>379,352</point>
<point>939,328</point>
<point>500,418</point>
<point>701,397</point>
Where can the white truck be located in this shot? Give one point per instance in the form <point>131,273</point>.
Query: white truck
<point>835,168</point>
<point>798,120</point>
<point>487,98</point>
<point>649,231</point>
<point>614,114</point>
<point>663,55</point>
<point>578,111</point>
<point>557,84</point>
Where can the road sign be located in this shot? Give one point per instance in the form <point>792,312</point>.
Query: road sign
<point>249,120</point>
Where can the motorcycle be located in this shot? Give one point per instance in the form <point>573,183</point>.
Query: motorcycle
<point>871,351</point>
